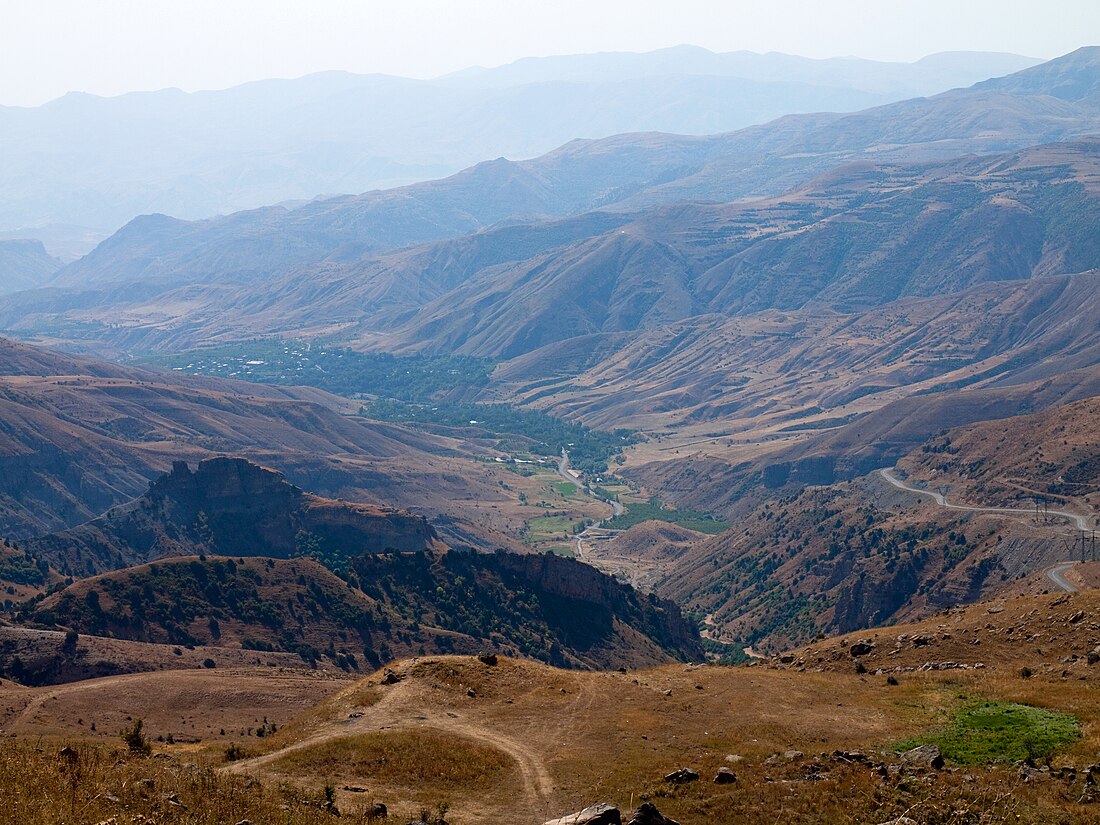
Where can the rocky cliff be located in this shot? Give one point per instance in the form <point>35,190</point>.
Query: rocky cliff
<point>230,506</point>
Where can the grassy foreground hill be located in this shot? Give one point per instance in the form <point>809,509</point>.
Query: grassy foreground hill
<point>809,739</point>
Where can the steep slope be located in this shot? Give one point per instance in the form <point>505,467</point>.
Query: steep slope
<point>1051,457</point>
<point>24,264</point>
<point>229,505</point>
<point>858,238</point>
<point>853,555</point>
<point>838,556</point>
<point>835,450</point>
<point>791,373</point>
<point>543,607</point>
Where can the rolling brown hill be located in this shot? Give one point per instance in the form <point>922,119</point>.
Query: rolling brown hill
<point>857,238</point>
<point>388,605</point>
<point>78,436</point>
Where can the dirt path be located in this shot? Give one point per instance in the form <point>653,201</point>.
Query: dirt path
<point>393,712</point>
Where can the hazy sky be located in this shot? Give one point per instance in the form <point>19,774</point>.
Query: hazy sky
<point>49,47</point>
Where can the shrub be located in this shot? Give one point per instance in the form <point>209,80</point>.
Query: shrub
<point>135,739</point>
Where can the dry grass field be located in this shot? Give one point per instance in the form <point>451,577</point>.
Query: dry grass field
<point>521,742</point>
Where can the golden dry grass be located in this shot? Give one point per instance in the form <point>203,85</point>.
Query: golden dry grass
<point>425,766</point>
<point>42,784</point>
<point>523,742</point>
<point>612,737</point>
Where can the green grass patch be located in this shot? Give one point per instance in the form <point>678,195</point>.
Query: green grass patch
<point>653,511</point>
<point>988,732</point>
<point>566,488</point>
<point>551,527</point>
<point>418,378</point>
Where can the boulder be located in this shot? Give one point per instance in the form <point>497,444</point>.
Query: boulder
<point>389,677</point>
<point>647,814</point>
<point>725,777</point>
<point>487,658</point>
<point>927,755</point>
<point>862,648</point>
<point>602,814</point>
<point>682,775</point>
<point>378,811</point>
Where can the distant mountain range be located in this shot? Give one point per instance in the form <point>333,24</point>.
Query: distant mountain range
<point>625,234</point>
<point>95,163</point>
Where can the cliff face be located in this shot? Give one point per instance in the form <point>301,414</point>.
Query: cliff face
<point>542,606</point>
<point>230,506</point>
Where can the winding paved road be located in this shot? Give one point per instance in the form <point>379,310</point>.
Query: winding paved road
<point>1080,522</point>
<point>1056,573</point>
<point>563,471</point>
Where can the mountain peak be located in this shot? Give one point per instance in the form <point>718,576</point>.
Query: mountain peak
<point>1072,77</point>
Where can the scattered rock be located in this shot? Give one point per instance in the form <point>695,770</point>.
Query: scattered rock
<point>353,789</point>
<point>647,814</point>
<point>668,692</point>
<point>926,755</point>
<point>725,777</point>
<point>734,757</point>
<point>682,775</point>
<point>863,648</point>
<point>849,756</point>
<point>245,822</point>
<point>602,814</point>
<point>389,677</point>
<point>1031,774</point>
<point>471,692</point>
<point>487,658</point>
<point>901,820</point>
<point>1076,617</point>
<point>378,811</point>
<point>793,754</point>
